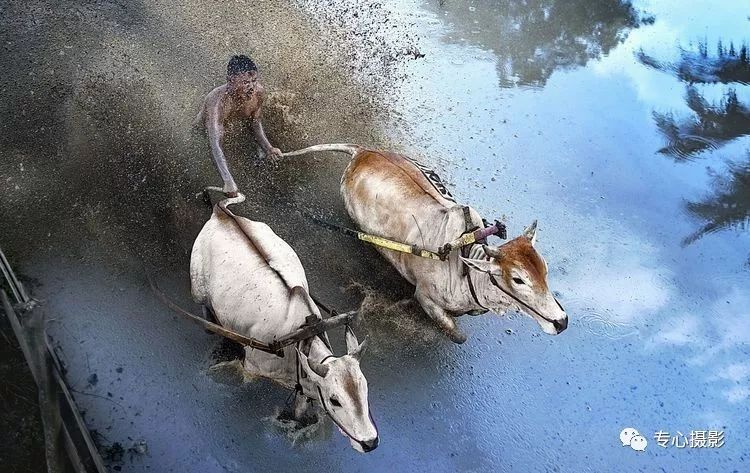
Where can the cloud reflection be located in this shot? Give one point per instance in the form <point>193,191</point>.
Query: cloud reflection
<point>717,340</point>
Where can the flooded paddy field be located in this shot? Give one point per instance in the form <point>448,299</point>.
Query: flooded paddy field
<point>622,127</point>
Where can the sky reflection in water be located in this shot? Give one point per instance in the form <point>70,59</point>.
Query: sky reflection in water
<point>627,140</point>
<point>597,118</point>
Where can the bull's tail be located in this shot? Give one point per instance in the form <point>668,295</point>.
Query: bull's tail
<point>340,147</point>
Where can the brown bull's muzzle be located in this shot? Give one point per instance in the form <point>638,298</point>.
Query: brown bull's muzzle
<point>560,323</point>
<point>553,321</point>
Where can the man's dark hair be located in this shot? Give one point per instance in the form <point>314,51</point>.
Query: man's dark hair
<point>240,64</point>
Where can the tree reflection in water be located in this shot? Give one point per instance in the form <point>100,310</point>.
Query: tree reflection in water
<point>731,64</point>
<point>533,38</point>
<point>728,206</point>
<point>712,126</point>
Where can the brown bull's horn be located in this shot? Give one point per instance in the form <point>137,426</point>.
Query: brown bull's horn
<point>530,232</point>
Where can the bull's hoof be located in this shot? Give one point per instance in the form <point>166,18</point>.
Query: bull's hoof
<point>457,336</point>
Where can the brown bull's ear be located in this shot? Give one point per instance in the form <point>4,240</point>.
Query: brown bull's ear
<point>492,252</point>
<point>478,264</point>
<point>530,232</point>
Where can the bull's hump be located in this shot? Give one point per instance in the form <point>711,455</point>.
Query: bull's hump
<point>277,254</point>
<point>414,175</point>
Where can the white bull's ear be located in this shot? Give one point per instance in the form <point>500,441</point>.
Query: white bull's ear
<point>478,264</point>
<point>530,232</point>
<point>313,369</point>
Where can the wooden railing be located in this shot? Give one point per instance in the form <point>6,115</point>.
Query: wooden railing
<point>68,443</point>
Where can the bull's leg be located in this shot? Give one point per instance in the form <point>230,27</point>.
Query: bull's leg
<point>208,314</point>
<point>441,317</point>
<point>404,304</point>
<point>304,413</point>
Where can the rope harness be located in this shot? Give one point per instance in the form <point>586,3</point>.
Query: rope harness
<point>474,293</point>
<point>472,235</point>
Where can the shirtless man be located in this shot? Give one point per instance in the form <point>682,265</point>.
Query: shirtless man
<point>240,98</point>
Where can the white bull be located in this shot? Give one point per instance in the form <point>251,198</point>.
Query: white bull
<point>253,283</point>
<point>392,196</point>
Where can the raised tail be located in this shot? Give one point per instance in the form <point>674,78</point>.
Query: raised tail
<point>340,147</point>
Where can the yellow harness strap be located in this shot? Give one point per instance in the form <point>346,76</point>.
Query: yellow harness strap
<point>396,246</point>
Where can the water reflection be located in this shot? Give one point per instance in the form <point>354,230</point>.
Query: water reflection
<point>532,39</point>
<point>717,341</point>
<point>712,126</point>
<point>728,206</point>
<point>731,64</point>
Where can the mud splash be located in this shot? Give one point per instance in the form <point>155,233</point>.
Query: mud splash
<point>311,428</point>
<point>299,433</point>
<point>392,321</point>
<point>375,38</point>
<point>121,134</point>
<point>230,373</point>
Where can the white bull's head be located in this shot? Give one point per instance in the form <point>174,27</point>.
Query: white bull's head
<point>517,276</point>
<point>341,388</point>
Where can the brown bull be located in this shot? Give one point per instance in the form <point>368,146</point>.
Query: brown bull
<point>393,196</point>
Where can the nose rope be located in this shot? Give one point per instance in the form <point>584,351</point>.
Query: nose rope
<point>516,299</point>
<point>496,284</point>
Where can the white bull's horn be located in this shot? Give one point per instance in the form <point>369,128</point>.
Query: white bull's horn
<point>357,352</point>
<point>351,340</point>
<point>492,252</point>
<point>316,368</point>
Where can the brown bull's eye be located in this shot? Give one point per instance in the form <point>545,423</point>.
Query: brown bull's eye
<point>518,281</point>
<point>335,402</point>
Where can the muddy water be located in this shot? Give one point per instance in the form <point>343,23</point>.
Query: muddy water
<point>613,124</point>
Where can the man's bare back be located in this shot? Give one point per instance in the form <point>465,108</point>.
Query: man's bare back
<point>241,98</point>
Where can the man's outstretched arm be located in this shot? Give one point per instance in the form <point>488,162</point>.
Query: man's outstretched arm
<point>215,129</point>
<point>260,135</point>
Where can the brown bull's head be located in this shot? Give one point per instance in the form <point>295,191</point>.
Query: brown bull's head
<point>517,275</point>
